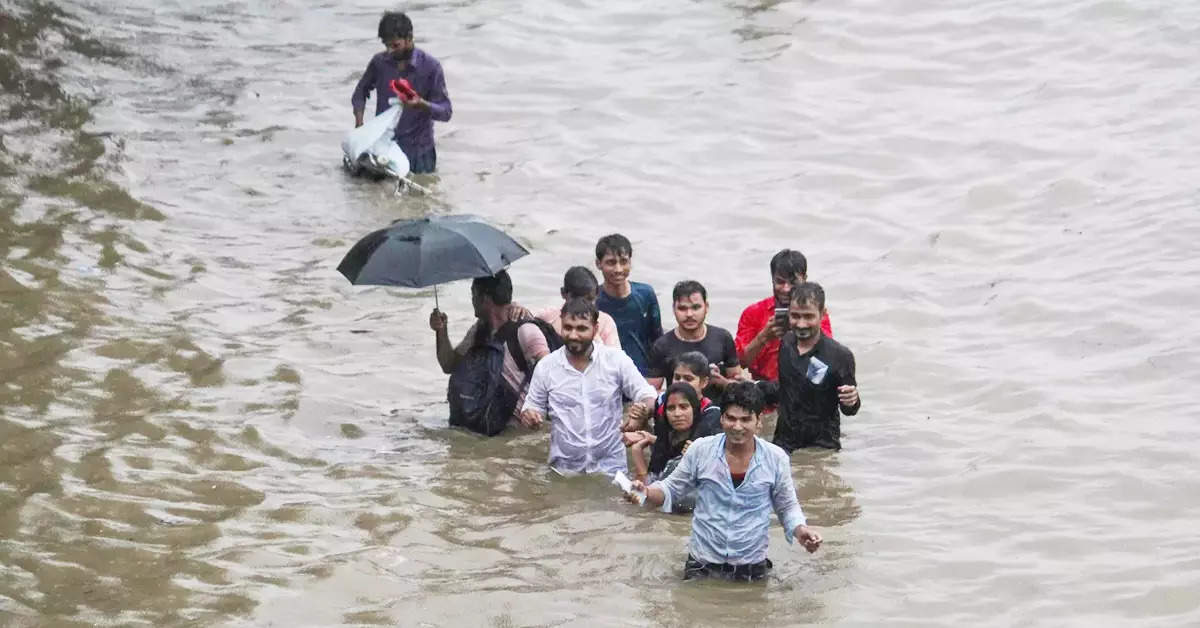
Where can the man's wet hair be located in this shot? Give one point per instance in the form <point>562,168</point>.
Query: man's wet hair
<point>745,395</point>
<point>394,25</point>
<point>580,308</point>
<point>789,263</point>
<point>580,283</point>
<point>687,288</point>
<point>614,243</point>
<point>498,287</point>
<point>809,292</point>
<point>693,361</point>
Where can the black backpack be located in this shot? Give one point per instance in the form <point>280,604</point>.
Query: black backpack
<point>479,398</point>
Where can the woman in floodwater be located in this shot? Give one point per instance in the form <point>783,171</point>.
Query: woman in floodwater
<point>682,422</point>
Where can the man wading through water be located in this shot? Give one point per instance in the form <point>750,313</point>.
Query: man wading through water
<point>738,479</point>
<point>816,377</point>
<point>580,387</point>
<point>403,60</point>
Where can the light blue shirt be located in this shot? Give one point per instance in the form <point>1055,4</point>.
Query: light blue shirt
<point>730,524</point>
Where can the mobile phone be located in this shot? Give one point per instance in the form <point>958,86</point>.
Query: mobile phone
<point>781,316</point>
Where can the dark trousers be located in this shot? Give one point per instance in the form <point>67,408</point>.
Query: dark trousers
<point>693,568</point>
<point>423,163</point>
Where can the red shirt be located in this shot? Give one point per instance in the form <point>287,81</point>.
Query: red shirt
<point>754,319</point>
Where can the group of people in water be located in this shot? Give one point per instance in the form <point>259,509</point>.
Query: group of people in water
<point>703,419</point>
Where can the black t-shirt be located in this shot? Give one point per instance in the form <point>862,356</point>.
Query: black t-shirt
<point>717,346</point>
<point>808,395</point>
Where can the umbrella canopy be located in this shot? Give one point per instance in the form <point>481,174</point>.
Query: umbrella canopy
<point>429,251</point>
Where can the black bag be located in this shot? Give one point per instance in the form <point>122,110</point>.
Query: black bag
<point>479,398</point>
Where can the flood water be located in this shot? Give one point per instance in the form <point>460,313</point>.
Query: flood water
<point>202,423</point>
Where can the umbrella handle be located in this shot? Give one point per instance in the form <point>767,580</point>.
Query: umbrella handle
<point>435,299</point>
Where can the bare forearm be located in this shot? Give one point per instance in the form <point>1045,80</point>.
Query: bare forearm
<point>640,468</point>
<point>446,356</point>
<point>752,350</point>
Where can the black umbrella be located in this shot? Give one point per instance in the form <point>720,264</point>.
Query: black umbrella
<point>429,251</point>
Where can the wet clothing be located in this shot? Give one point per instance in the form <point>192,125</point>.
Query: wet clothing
<point>808,396</point>
<point>694,569</point>
<point>664,450</point>
<point>639,322</point>
<point>606,327</point>
<point>755,318</point>
<point>736,478</point>
<point>717,345</point>
<point>730,523</point>
<point>423,163</point>
<point>585,409</point>
<point>414,132</point>
<point>533,345</point>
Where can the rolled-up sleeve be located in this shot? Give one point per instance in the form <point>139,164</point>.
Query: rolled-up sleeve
<point>440,108</point>
<point>783,498</point>
<point>676,485</point>
<point>633,384</point>
<point>538,394</point>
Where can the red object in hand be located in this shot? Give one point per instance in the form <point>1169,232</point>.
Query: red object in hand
<point>404,89</point>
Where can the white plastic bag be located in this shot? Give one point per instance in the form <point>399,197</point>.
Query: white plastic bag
<point>370,147</point>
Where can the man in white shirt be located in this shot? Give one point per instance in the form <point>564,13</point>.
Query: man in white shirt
<point>581,387</point>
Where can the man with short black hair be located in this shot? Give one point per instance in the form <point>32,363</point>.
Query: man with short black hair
<point>581,388</point>
<point>496,315</point>
<point>632,304</point>
<point>738,479</point>
<point>816,377</point>
<point>580,283</point>
<point>693,333</point>
<point>402,60</point>
<point>759,329</point>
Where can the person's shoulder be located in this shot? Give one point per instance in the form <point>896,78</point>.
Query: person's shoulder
<point>605,352</point>
<point>641,289</point>
<point>720,332</point>
<point>606,318</point>
<point>425,58</point>
<point>552,359</point>
<point>833,346</point>
<point>705,443</point>
<point>664,342</point>
<point>380,57</point>
<point>760,305</point>
<point>773,451</point>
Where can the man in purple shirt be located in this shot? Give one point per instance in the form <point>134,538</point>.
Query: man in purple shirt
<point>414,133</point>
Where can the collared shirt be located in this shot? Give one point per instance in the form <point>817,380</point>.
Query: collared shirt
<point>585,408</point>
<point>755,318</point>
<point>414,132</point>
<point>730,523</point>
<point>808,393</point>
<point>606,327</point>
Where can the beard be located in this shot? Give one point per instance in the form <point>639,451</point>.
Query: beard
<point>402,55</point>
<point>578,347</point>
<point>805,333</point>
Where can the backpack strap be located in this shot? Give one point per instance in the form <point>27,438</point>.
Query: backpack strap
<point>508,334</point>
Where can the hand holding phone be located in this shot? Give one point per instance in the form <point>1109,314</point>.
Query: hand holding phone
<point>781,319</point>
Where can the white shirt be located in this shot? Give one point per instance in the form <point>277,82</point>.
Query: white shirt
<point>585,408</point>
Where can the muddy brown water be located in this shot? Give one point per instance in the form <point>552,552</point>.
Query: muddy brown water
<point>201,423</point>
